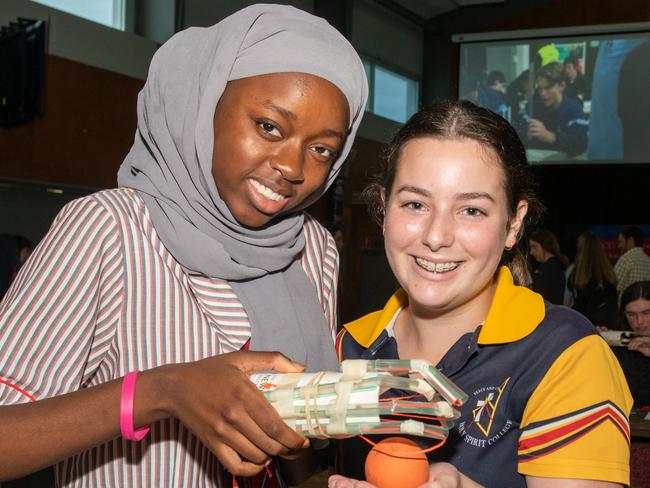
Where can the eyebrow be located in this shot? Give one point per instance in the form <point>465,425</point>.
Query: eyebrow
<point>459,196</point>
<point>477,195</point>
<point>282,111</point>
<point>288,114</point>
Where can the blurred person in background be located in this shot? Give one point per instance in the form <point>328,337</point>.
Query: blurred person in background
<point>634,263</point>
<point>557,121</point>
<point>548,277</point>
<point>635,316</point>
<point>593,282</point>
<point>578,86</point>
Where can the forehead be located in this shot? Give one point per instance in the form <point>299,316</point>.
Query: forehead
<point>638,305</point>
<point>543,82</point>
<point>450,165</point>
<point>286,85</point>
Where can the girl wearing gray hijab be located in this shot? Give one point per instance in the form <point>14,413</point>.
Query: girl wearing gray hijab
<point>202,256</point>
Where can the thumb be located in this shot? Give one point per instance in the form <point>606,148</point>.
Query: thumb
<point>268,361</point>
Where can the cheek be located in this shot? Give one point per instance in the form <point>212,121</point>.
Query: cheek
<point>483,240</point>
<point>318,174</point>
<point>400,230</point>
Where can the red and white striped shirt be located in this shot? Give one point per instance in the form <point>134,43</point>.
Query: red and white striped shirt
<point>101,296</point>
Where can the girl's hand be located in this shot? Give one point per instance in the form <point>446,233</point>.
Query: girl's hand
<point>338,481</point>
<point>640,344</point>
<point>441,475</point>
<point>215,399</point>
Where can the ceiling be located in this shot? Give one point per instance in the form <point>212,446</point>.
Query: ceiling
<point>427,9</point>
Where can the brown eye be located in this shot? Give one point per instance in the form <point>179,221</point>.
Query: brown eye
<point>325,153</point>
<point>269,128</point>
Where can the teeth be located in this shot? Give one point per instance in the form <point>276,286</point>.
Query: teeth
<point>266,191</point>
<point>436,267</point>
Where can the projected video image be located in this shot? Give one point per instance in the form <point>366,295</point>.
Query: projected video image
<point>570,99</point>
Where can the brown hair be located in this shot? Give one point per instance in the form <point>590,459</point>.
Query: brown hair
<point>634,292</point>
<point>552,72</point>
<point>592,263</point>
<point>463,119</point>
<point>549,243</point>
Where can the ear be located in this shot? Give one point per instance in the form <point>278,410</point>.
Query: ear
<point>515,224</point>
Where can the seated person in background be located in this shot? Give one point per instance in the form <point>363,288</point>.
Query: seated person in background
<point>493,95</point>
<point>635,316</point>
<point>557,121</point>
<point>548,277</point>
<point>594,282</point>
<point>634,263</point>
<point>517,95</point>
<point>578,86</point>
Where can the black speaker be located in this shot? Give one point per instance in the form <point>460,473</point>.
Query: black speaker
<point>22,71</point>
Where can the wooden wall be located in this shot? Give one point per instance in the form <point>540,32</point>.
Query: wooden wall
<point>86,130</point>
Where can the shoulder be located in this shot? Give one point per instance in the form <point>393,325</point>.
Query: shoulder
<point>353,338</point>
<point>623,260</point>
<point>560,328</point>
<point>119,213</point>
<point>119,201</point>
<point>115,202</point>
<point>555,265</point>
<point>566,323</point>
<point>571,105</point>
<point>94,207</point>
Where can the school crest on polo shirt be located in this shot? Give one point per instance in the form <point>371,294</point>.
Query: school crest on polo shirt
<point>484,426</point>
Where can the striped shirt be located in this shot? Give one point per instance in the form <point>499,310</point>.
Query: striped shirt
<point>101,296</point>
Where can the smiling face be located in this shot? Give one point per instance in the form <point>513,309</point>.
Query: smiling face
<point>637,314</point>
<point>447,223</point>
<point>275,139</point>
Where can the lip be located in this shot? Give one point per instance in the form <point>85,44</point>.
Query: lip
<point>263,204</point>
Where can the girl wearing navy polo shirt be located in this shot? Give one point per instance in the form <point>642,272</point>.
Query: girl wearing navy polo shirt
<point>547,404</point>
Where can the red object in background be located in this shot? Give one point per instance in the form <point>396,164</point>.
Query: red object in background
<point>611,249</point>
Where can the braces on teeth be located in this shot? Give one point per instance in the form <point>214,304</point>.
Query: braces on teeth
<point>436,267</point>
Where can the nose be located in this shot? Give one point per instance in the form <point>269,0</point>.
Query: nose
<point>440,232</point>
<point>289,162</point>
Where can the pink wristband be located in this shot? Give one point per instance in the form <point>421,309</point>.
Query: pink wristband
<point>126,409</point>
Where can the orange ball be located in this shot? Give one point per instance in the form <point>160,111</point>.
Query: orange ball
<point>397,462</point>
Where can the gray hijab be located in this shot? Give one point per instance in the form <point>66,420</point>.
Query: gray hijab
<point>170,165</point>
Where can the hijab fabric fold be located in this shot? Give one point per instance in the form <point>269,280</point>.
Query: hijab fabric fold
<point>170,165</point>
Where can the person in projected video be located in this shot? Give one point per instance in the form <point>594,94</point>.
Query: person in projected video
<point>578,84</point>
<point>557,121</point>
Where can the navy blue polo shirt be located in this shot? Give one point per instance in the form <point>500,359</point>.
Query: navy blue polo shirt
<point>546,396</point>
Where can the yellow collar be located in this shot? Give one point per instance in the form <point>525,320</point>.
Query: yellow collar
<point>515,312</point>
